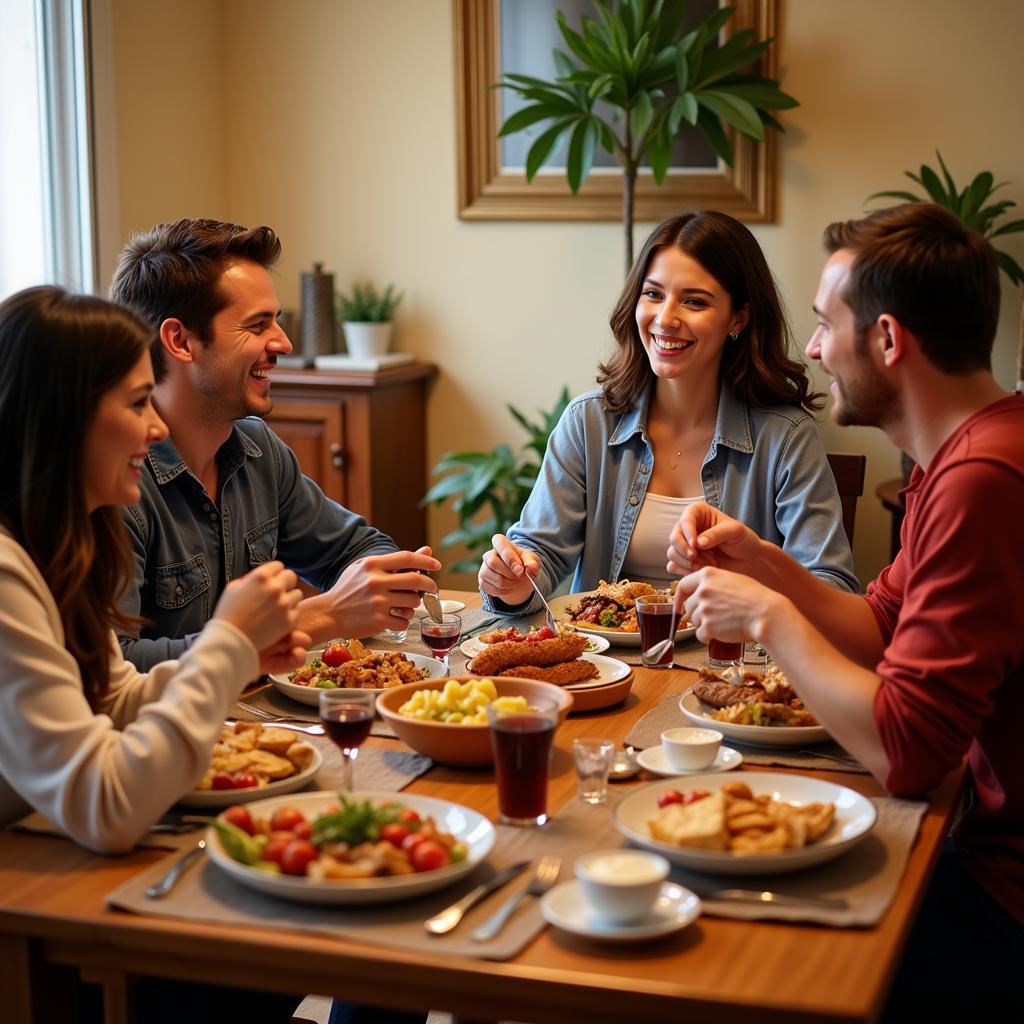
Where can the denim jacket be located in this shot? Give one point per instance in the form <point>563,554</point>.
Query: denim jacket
<point>187,548</point>
<point>765,467</point>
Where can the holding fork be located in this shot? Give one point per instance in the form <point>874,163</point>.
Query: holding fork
<point>508,572</point>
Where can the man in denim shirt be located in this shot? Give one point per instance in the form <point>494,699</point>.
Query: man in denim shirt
<point>223,493</point>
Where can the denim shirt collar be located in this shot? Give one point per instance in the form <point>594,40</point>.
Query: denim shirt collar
<point>732,429</point>
<point>167,462</point>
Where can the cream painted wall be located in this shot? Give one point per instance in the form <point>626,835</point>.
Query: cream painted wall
<point>333,121</point>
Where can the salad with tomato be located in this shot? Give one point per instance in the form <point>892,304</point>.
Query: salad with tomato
<point>349,840</point>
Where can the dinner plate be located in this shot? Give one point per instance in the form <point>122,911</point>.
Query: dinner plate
<point>474,645</point>
<point>448,607</point>
<point>311,694</point>
<point>465,824</point>
<point>752,735</point>
<point>854,819</point>
<point>565,907</point>
<point>560,608</point>
<point>220,798</point>
<point>654,759</point>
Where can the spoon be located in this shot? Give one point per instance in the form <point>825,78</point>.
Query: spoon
<point>624,764</point>
<point>654,654</point>
<point>171,879</point>
<point>433,606</point>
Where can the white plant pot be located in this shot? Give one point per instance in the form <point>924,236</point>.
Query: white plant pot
<point>367,339</point>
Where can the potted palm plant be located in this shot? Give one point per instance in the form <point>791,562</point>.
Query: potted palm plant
<point>365,316</point>
<point>637,61</point>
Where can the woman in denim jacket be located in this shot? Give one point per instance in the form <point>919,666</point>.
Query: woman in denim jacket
<point>700,401</point>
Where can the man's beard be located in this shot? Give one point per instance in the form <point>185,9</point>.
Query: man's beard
<point>866,398</point>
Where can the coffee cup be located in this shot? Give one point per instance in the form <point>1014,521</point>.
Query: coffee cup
<point>621,885</point>
<point>690,750</point>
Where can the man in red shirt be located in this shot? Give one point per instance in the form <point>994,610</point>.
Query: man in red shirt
<point>928,666</point>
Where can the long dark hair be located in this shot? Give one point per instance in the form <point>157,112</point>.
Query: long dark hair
<point>60,354</point>
<point>756,366</point>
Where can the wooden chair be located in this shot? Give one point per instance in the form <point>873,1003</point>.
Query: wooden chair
<point>849,473</point>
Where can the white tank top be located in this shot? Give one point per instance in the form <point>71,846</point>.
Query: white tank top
<point>646,554</point>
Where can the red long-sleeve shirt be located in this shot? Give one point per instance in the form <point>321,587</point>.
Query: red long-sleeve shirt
<point>951,609</point>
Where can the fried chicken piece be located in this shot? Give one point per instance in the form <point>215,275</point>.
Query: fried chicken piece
<point>494,659</point>
<point>561,674</point>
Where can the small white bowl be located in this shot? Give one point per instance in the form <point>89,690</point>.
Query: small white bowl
<point>689,749</point>
<point>621,885</point>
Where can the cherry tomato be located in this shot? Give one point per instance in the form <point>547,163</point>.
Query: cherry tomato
<point>275,848</point>
<point>394,833</point>
<point>335,655</point>
<point>544,633</point>
<point>284,819</point>
<point>412,840</point>
<point>240,817</point>
<point>297,855</point>
<point>670,796</point>
<point>222,780</point>
<point>302,830</point>
<point>429,856</point>
<point>694,795</point>
<point>408,815</point>
<point>245,780</point>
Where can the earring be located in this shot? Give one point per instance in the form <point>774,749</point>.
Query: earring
<point>734,335</point>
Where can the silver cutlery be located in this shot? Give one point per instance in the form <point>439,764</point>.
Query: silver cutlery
<point>171,879</point>
<point>433,606</point>
<point>176,823</point>
<point>282,721</point>
<point>549,617</point>
<point>543,878</point>
<point>769,898</point>
<point>480,627</point>
<point>843,759</point>
<point>447,919</point>
<point>653,654</point>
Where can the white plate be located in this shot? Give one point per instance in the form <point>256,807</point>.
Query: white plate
<point>448,607</point>
<point>565,908</point>
<point>752,735</point>
<point>560,607</point>
<point>855,818</point>
<point>311,694</point>
<point>654,759</point>
<point>467,825</point>
<point>473,646</point>
<point>221,798</point>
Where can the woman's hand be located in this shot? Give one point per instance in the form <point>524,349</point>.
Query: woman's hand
<point>503,572</point>
<point>263,604</point>
<point>704,536</point>
<point>289,652</point>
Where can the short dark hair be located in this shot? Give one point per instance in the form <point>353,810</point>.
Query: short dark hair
<point>174,269</point>
<point>938,278</point>
<point>756,366</point>
<point>61,354</point>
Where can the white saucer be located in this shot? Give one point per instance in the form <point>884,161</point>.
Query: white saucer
<point>655,760</point>
<point>448,607</point>
<point>565,907</point>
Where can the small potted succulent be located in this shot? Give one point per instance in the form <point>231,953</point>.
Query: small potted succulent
<point>365,316</point>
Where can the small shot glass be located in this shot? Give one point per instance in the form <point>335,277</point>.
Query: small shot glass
<point>593,757</point>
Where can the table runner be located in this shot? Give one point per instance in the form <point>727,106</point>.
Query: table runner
<point>818,757</point>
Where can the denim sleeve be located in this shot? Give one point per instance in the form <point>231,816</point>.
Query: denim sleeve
<point>317,537</point>
<point>554,519</point>
<point>807,509</point>
<point>143,653</point>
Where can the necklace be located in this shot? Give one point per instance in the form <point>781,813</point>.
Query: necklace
<point>671,464</point>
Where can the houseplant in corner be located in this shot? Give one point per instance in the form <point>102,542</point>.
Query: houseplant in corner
<point>365,317</point>
<point>489,489</point>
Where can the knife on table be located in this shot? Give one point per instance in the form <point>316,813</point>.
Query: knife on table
<point>482,625</point>
<point>448,918</point>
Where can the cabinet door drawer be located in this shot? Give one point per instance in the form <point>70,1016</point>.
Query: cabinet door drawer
<point>315,432</point>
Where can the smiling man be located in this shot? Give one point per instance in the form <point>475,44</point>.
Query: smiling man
<point>223,493</point>
<point>927,668</point>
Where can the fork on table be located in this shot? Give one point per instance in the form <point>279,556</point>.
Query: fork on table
<point>549,618</point>
<point>283,721</point>
<point>543,879</point>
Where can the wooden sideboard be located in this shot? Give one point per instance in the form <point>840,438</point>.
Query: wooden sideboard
<point>362,438</point>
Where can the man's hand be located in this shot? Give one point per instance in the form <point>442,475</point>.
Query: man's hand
<point>504,569</point>
<point>263,604</point>
<point>374,593</point>
<point>705,536</point>
<point>727,606</point>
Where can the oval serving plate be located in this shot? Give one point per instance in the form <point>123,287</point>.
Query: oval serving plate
<point>311,694</point>
<point>855,817</point>
<point>752,735</point>
<point>595,645</point>
<point>465,824</point>
<point>560,606</point>
<point>221,798</point>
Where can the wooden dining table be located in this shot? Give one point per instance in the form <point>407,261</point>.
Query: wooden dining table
<point>54,926</point>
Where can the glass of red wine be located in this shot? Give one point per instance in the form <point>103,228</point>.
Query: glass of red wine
<point>521,740</point>
<point>347,716</point>
<point>441,637</point>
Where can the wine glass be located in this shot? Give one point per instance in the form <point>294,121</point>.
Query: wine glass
<point>347,716</point>
<point>441,637</point>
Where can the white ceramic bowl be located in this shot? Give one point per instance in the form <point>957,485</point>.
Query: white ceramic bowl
<point>621,885</point>
<point>689,749</point>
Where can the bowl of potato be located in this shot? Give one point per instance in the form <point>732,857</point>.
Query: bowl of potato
<point>446,719</point>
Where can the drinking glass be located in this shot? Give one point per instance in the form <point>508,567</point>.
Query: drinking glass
<point>722,653</point>
<point>441,637</point>
<point>593,758</point>
<point>347,716</point>
<point>654,615</point>
<point>521,741</point>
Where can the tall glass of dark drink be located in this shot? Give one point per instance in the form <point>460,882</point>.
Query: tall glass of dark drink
<point>654,614</point>
<point>722,653</point>
<point>347,716</point>
<point>441,637</point>
<point>521,741</point>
